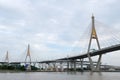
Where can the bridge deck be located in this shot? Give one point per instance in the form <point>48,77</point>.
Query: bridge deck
<point>94,53</point>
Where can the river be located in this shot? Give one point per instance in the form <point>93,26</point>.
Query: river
<point>60,76</point>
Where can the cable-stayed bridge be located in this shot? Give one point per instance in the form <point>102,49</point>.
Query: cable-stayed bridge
<point>78,60</point>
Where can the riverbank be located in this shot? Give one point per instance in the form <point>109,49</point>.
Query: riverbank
<point>19,71</point>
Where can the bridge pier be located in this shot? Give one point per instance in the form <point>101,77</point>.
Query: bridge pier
<point>46,66</point>
<point>74,63</point>
<point>98,63</point>
<point>39,65</point>
<point>71,65</point>
<point>61,66</point>
<point>55,67</point>
<point>34,64</point>
<point>68,64</point>
<point>42,66</point>
<point>81,61</point>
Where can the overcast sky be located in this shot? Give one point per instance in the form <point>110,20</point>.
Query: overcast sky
<point>54,27</point>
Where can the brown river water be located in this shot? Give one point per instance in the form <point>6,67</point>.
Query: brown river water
<point>60,76</point>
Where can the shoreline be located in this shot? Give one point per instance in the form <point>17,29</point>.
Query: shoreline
<point>18,71</point>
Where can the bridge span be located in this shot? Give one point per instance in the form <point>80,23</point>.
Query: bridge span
<point>94,53</point>
<point>74,60</point>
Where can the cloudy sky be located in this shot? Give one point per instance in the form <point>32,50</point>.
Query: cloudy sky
<point>53,28</point>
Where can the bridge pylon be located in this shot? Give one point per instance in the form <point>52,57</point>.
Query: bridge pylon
<point>7,58</point>
<point>28,56</point>
<point>94,36</point>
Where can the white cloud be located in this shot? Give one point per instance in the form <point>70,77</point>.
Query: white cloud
<point>18,5</point>
<point>57,22</point>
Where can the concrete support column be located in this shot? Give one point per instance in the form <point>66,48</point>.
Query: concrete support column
<point>71,65</point>
<point>39,66</point>
<point>34,64</point>
<point>55,67</point>
<point>42,66</point>
<point>61,67</point>
<point>81,60</point>
<point>46,66</point>
<point>68,65</point>
<point>74,65</point>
